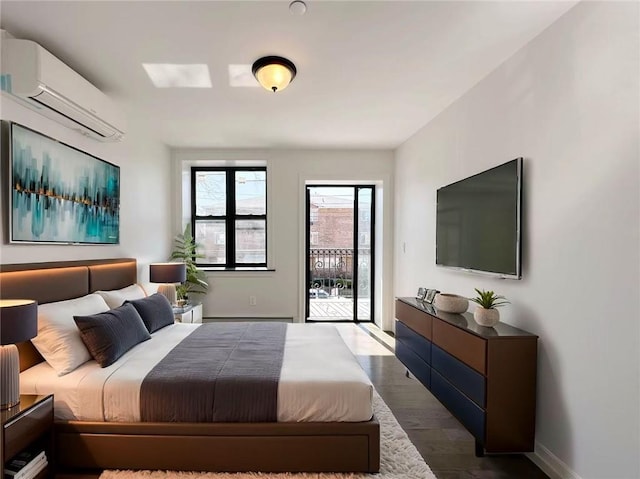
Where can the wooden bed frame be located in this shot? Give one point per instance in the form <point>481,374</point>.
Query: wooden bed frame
<point>267,447</point>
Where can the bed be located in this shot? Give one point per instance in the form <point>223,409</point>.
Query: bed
<point>105,440</point>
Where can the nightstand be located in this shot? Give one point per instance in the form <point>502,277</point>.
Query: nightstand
<point>189,313</point>
<point>27,425</point>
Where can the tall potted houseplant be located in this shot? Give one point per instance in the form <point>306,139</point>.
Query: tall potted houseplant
<point>185,249</point>
<point>486,313</point>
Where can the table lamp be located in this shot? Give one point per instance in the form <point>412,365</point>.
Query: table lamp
<point>18,323</point>
<point>169,274</point>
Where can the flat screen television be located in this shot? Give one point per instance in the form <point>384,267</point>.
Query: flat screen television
<point>478,222</point>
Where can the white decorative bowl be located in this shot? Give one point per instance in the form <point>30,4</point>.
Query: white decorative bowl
<point>451,303</point>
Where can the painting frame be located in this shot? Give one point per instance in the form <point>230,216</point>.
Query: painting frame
<point>59,194</point>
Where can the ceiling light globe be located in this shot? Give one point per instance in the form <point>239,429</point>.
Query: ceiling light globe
<point>274,77</point>
<point>274,73</point>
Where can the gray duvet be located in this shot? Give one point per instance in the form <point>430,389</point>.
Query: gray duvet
<point>222,372</point>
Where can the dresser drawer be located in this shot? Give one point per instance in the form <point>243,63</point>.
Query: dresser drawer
<point>467,412</point>
<point>419,344</point>
<point>28,427</point>
<point>464,378</point>
<point>417,320</point>
<point>414,363</point>
<point>468,348</point>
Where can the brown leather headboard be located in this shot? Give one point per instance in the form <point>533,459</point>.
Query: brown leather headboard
<point>57,281</point>
<point>104,277</point>
<point>45,285</point>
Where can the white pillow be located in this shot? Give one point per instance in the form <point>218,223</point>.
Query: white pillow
<point>58,338</point>
<point>116,297</point>
<point>150,288</point>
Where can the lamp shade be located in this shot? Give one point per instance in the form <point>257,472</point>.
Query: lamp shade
<point>18,320</point>
<point>167,272</point>
<point>274,73</point>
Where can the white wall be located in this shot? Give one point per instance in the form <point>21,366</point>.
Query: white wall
<point>567,102</point>
<point>145,230</point>
<point>280,293</point>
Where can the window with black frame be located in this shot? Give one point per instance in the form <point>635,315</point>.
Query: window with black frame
<point>229,211</point>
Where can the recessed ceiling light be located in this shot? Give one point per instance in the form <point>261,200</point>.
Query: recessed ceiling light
<point>241,75</point>
<point>169,75</point>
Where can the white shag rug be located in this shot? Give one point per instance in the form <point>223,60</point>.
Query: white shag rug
<point>399,459</point>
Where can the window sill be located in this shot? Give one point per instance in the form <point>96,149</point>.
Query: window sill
<point>239,269</point>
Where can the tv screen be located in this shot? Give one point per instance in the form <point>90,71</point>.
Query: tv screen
<point>60,194</point>
<point>478,222</point>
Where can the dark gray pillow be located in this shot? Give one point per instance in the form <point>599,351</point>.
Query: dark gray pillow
<point>155,310</point>
<point>109,335</point>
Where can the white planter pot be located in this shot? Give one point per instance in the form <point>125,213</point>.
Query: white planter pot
<point>486,317</point>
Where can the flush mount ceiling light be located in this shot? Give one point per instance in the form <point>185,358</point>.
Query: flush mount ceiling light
<point>274,73</point>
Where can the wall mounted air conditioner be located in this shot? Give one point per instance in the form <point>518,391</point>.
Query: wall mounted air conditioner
<point>42,82</point>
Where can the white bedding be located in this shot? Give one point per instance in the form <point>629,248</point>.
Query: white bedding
<point>320,379</point>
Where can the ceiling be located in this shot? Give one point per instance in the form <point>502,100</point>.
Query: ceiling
<point>370,73</point>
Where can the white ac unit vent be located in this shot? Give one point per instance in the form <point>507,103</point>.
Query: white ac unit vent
<point>42,82</point>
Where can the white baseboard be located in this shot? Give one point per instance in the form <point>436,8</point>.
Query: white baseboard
<point>550,464</point>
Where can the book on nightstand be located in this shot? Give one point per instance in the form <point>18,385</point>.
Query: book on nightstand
<point>26,465</point>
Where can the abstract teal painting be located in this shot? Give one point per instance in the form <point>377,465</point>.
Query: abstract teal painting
<point>60,194</point>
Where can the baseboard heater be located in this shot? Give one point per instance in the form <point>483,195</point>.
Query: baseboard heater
<point>215,319</point>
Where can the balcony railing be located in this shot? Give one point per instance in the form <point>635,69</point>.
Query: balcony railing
<point>332,270</point>
<point>331,283</point>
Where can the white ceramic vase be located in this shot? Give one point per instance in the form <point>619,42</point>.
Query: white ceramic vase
<point>486,317</point>
<point>451,303</point>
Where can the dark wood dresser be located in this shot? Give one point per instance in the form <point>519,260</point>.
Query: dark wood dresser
<point>486,377</point>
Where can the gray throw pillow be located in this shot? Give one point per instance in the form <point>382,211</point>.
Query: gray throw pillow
<point>155,310</point>
<point>109,335</point>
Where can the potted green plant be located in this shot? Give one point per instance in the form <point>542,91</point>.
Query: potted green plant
<point>185,249</point>
<point>486,313</point>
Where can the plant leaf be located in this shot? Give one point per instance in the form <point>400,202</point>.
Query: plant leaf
<point>185,249</point>
<point>488,299</point>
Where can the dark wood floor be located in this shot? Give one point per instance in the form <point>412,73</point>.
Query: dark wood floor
<point>443,442</point>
